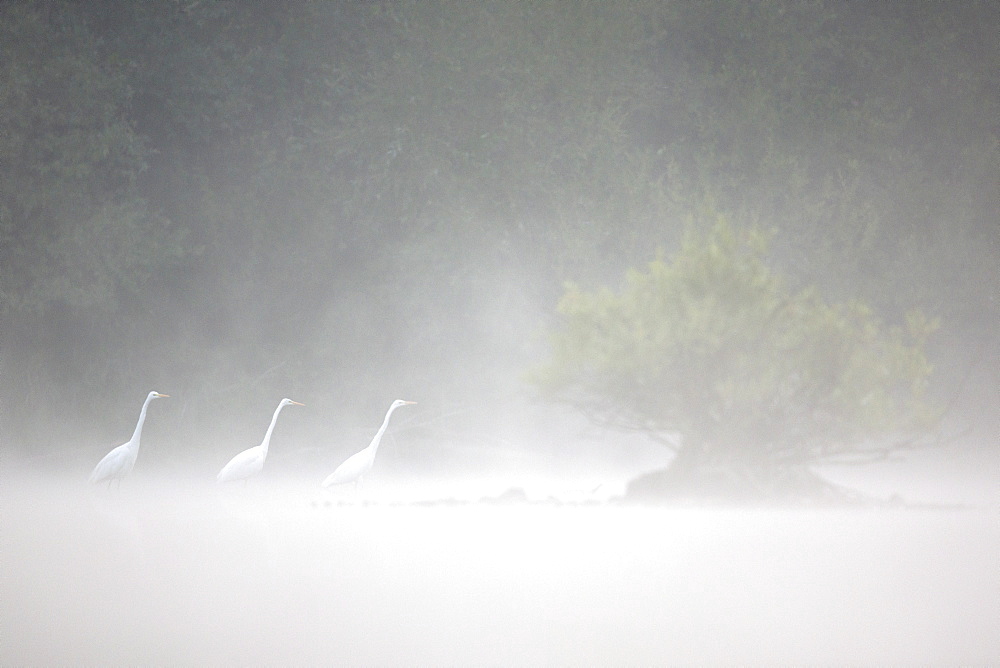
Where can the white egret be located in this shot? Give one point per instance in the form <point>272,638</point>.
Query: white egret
<point>250,462</point>
<point>119,462</point>
<point>360,463</point>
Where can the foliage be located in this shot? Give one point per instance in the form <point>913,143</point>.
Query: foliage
<point>73,227</point>
<point>260,196</point>
<point>712,352</point>
<point>828,120</point>
<point>502,126</point>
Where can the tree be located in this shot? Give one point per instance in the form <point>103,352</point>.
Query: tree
<point>266,195</point>
<point>72,227</point>
<point>748,380</point>
<point>78,242</point>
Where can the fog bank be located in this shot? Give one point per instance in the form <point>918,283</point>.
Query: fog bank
<point>183,572</point>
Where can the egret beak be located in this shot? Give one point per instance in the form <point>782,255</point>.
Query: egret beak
<point>409,402</point>
<point>297,403</point>
<point>162,396</point>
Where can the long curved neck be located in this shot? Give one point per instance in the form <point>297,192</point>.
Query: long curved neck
<point>270,428</point>
<point>381,430</point>
<point>134,443</point>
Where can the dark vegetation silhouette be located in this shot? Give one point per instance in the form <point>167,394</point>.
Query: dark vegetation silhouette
<point>347,201</point>
<point>749,382</point>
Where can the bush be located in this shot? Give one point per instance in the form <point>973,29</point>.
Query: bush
<point>715,355</point>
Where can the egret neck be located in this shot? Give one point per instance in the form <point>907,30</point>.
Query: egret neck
<point>133,444</point>
<point>381,430</point>
<point>270,428</point>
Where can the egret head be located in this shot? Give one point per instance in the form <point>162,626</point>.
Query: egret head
<point>399,402</point>
<point>288,402</point>
<point>158,395</point>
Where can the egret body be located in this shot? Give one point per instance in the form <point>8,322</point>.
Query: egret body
<point>119,462</point>
<point>358,464</point>
<point>250,462</point>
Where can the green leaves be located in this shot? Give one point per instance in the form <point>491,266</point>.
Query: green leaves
<point>74,229</point>
<point>715,346</point>
<point>276,163</point>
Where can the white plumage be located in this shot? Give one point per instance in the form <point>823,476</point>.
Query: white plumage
<point>119,462</point>
<point>250,462</point>
<point>360,463</point>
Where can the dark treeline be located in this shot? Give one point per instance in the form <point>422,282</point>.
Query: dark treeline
<point>350,202</point>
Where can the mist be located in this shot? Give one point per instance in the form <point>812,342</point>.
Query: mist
<point>351,203</point>
<point>174,570</point>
